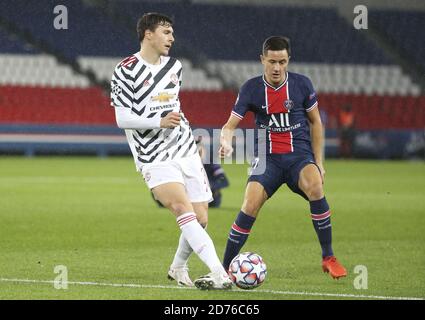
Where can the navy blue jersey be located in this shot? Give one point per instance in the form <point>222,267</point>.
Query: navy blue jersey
<point>282,111</point>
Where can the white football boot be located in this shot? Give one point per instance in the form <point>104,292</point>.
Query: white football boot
<point>181,275</point>
<point>214,281</point>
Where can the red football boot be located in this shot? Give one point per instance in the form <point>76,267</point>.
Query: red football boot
<point>335,269</point>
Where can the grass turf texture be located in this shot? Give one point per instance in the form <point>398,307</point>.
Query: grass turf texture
<point>96,217</point>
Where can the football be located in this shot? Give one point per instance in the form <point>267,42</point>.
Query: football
<point>247,270</point>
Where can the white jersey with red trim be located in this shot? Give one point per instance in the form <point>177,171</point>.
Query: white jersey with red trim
<point>151,92</point>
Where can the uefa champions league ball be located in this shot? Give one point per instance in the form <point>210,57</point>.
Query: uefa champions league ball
<point>247,270</point>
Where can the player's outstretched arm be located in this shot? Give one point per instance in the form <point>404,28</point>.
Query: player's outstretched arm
<point>226,136</point>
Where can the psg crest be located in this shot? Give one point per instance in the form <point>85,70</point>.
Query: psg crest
<point>289,104</point>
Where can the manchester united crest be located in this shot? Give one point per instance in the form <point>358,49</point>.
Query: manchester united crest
<point>147,176</point>
<point>174,79</point>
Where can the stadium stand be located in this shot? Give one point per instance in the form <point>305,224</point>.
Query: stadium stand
<point>403,29</point>
<point>44,81</point>
<point>343,78</point>
<point>194,78</point>
<point>101,37</point>
<point>10,44</point>
<point>38,70</point>
<point>241,39</point>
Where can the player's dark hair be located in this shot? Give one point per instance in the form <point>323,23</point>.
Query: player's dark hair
<point>150,21</point>
<point>277,43</point>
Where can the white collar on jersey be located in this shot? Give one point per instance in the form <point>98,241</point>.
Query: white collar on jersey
<point>161,60</point>
<point>273,87</point>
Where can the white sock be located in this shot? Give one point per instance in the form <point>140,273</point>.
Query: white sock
<point>200,241</point>
<point>183,252</point>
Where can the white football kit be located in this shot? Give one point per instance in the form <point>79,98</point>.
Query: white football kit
<point>142,94</point>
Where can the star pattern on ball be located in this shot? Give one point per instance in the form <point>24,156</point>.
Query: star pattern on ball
<point>258,268</point>
<point>240,276</point>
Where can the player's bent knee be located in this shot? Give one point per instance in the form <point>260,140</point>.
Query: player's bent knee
<point>179,208</point>
<point>201,210</point>
<point>251,208</point>
<point>203,221</point>
<point>315,191</point>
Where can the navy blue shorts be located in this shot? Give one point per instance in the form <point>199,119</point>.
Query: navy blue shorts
<point>280,169</point>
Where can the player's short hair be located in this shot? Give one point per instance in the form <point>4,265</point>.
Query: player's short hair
<point>150,21</point>
<point>277,43</point>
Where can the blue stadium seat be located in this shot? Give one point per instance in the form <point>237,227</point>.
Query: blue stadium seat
<point>230,32</point>
<point>11,44</point>
<point>317,34</point>
<point>90,32</point>
<point>403,29</point>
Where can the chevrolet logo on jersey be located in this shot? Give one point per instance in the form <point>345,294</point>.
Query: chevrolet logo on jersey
<point>163,97</point>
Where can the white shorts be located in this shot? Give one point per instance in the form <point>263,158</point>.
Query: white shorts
<point>188,171</point>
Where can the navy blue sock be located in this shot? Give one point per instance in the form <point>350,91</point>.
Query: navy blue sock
<point>321,217</point>
<point>237,237</point>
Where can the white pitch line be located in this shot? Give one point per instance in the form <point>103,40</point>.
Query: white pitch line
<point>100,284</point>
<point>277,292</point>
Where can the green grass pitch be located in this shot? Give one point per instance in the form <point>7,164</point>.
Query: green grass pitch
<point>96,217</point>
